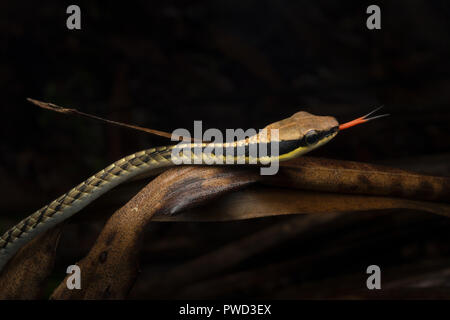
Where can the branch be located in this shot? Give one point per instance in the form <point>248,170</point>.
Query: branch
<point>111,267</point>
<point>25,275</point>
<point>56,108</point>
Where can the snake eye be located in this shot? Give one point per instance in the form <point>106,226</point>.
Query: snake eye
<point>311,137</point>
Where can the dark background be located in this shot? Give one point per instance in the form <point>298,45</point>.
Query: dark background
<point>231,64</point>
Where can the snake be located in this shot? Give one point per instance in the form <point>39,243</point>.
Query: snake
<point>297,135</point>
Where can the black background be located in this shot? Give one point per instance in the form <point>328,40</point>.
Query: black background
<point>231,64</point>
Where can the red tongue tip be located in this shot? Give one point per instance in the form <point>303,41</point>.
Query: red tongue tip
<point>352,123</point>
<point>362,119</point>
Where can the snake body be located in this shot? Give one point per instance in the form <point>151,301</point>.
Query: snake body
<point>79,197</point>
<point>297,135</point>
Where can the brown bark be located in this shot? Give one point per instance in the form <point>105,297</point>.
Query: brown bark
<point>329,187</point>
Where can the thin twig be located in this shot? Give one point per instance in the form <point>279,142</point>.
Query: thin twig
<point>54,107</point>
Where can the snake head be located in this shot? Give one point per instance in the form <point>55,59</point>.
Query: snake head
<point>303,126</point>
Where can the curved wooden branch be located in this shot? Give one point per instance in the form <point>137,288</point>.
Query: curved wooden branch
<point>25,275</point>
<point>111,267</point>
<point>340,176</point>
<point>328,186</point>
